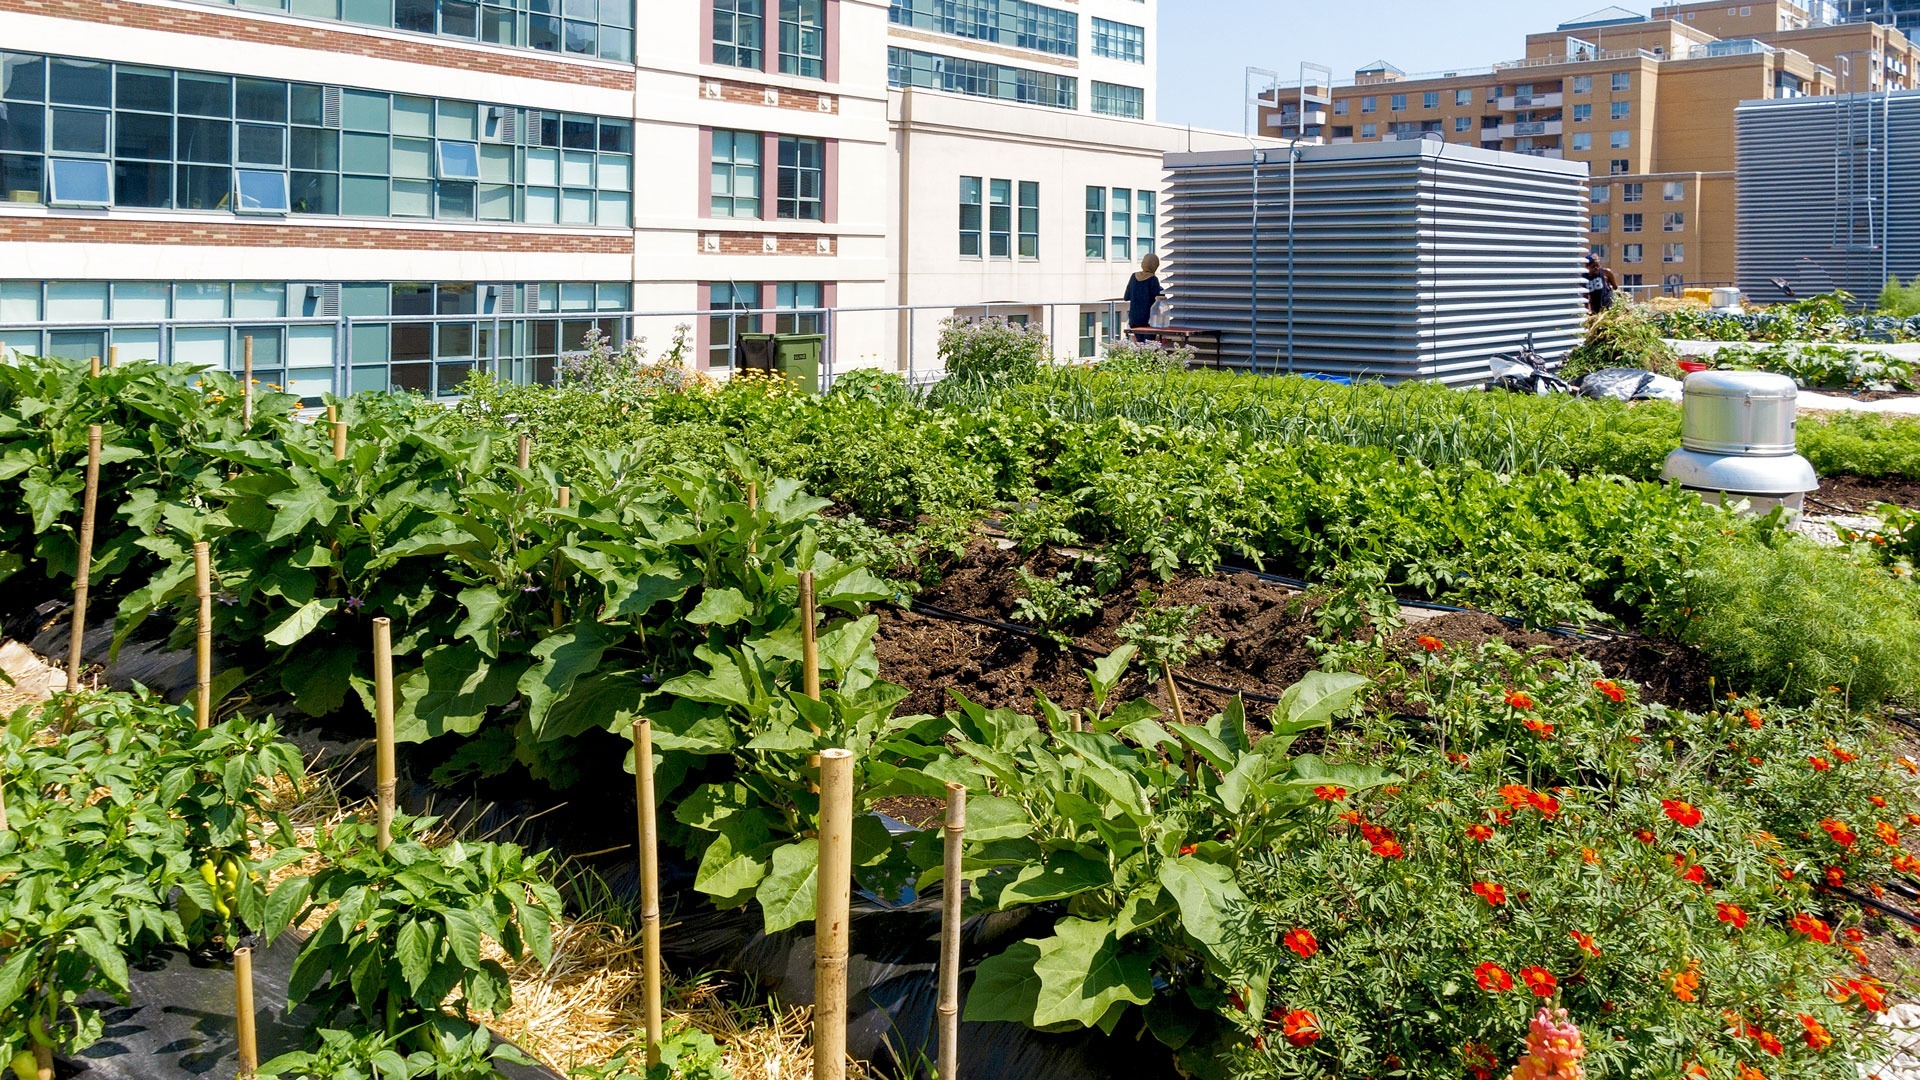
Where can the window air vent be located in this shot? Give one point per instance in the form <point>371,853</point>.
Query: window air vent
<point>330,106</point>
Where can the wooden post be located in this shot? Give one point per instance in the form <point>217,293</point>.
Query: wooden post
<point>1173,696</point>
<point>3,802</point>
<point>203,651</point>
<point>383,768</point>
<point>42,1061</point>
<point>83,574</point>
<point>831,909</point>
<point>246,381</point>
<point>113,357</point>
<point>649,882</point>
<point>952,891</point>
<point>753,508</point>
<point>243,1013</point>
<point>333,416</point>
<point>339,440</point>
<point>93,366</point>
<point>526,451</point>
<point>559,562</point>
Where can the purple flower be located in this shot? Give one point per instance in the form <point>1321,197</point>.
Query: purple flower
<point>354,603</point>
<point>529,588</point>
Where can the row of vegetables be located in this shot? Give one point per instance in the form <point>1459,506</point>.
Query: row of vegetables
<point>1242,903</point>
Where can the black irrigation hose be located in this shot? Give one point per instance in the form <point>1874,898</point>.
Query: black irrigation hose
<point>1869,902</point>
<point>944,615</point>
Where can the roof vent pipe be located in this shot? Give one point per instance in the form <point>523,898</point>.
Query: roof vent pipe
<point>1737,442</point>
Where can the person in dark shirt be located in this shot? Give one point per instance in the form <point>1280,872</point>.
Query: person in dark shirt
<point>1599,284</point>
<point>1143,289</point>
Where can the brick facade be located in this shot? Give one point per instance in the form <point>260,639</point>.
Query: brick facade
<point>732,243</point>
<point>279,234</point>
<point>773,96</point>
<point>442,52</point>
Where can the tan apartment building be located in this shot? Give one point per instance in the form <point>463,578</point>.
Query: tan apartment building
<point>1647,103</point>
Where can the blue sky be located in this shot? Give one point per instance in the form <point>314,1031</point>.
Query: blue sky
<point>1206,45</point>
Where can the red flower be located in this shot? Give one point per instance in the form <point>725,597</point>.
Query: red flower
<point>1188,849</point>
<point>1301,1028</point>
<point>1685,985</point>
<point>1813,926</point>
<point>1518,701</point>
<point>1374,834</point>
<point>1682,813</point>
<point>1838,832</point>
<point>1492,977</point>
<point>1820,764</point>
<point>1854,934</point>
<point>1589,856</point>
<point>1842,756</point>
<point>1753,719</point>
<point>1539,980</point>
<point>1731,914</point>
<point>1768,1042</point>
<point>1389,849</point>
<point>1431,644</point>
<point>1516,795</point>
<point>1645,836</point>
<point>1913,819</point>
<point>1546,804</point>
<point>1538,727</point>
<point>1888,835</point>
<point>1748,1072</point>
<point>1913,769</point>
<point>1482,833</point>
<point>1696,874</point>
<point>1585,941</point>
<point>1817,1036</point>
<point>1479,1060</point>
<point>1877,802</point>
<point>1302,942</point>
<point>1351,817</point>
<point>1835,877</point>
<point>1490,892</point>
<point>1329,793</point>
<point>1611,690</point>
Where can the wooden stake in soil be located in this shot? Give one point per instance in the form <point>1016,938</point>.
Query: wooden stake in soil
<point>93,366</point>
<point>952,891</point>
<point>1173,696</point>
<point>43,1061</point>
<point>243,1015</point>
<point>84,573</point>
<point>831,907</point>
<point>559,563</point>
<point>526,451</point>
<point>339,440</point>
<point>113,357</point>
<point>383,767</point>
<point>333,416</point>
<point>3,802</point>
<point>649,882</point>
<point>203,644</point>
<point>246,381</point>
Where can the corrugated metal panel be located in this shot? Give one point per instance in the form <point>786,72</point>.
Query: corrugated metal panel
<point>1411,260</point>
<point>1829,191</point>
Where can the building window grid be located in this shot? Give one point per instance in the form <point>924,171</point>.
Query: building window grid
<point>735,187</point>
<point>1600,223</point>
<point>1017,23</point>
<point>1122,223</point>
<point>1430,99</point>
<point>739,28</point>
<point>592,28</point>
<point>1119,41</point>
<point>724,330</point>
<point>196,141</point>
<point>1096,223</point>
<point>1673,222</point>
<point>803,38</point>
<point>1673,190</point>
<point>912,68</point>
<point>801,183</point>
<point>1029,219</point>
<point>1632,192</point>
<point>1632,253</point>
<point>1632,223</point>
<point>1673,253</point>
<point>801,307</point>
<point>1112,99</point>
<point>972,209</point>
<point>1000,219</point>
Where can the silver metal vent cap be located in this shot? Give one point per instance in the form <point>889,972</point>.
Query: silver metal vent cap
<point>1739,412</point>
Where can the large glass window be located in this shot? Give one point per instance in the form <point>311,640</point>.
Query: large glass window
<point>1096,223</point>
<point>601,28</point>
<point>724,330</point>
<point>1120,240</point>
<point>1029,223</point>
<point>1119,41</point>
<point>972,207</point>
<point>735,188</point>
<point>155,138</point>
<point>910,67</point>
<point>803,38</point>
<point>1111,99</point>
<point>739,29</point>
<point>793,299</point>
<point>1000,219</point>
<point>802,181</point>
<point>1017,23</point>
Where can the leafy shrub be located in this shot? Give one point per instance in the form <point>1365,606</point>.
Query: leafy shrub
<point>991,350</point>
<point>1861,444</point>
<point>1128,357</point>
<point>1900,301</point>
<point>1052,604</point>
<point>1823,366</point>
<point>1621,337</point>
<point>1164,634</point>
<point>872,384</point>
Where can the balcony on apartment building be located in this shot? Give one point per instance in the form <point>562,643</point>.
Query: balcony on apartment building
<point>1530,128</point>
<point>1517,102</point>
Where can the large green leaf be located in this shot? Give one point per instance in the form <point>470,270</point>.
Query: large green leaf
<point>607,699</point>
<point>1064,874</point>
<point>1084,973</point>
<point>729,871</point>
<point>1313,701</point>
<point>1208,899</point>
<point>561,659</point>
<point>306,503</point>
<point>720,607</point>
<point>453,692</point>
<point>990,817</point>
<point>788,894</point>
<point>1005,987</point>
<point>302,622</point>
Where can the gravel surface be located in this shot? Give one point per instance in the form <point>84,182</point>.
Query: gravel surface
<point>1904,1064</point>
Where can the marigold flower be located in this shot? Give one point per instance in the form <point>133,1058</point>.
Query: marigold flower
<point>1492,978</point>
<point>1585,942</point>
<point>1696,874</point>
<point>1835,877</point>
<point>1731,914</point>
<point>1502,817</point>
<point>1906,864</point>
<point>1859,955</point>
<point>1838,832</point>
<point>1645,836</point>
<point>1888,835</point>
<point>1817,1036</point>
<point>1545,804</point>
<point>1685,985</point>
<point>1351,817</point>
<point>1755,762</point>
<point>1490,892</point>
<point>1611,690</point>
<point>1517,796</point>
<point>1842,756</point>
<point>1854,934</point>
<point>1786,873</point>
<point>1812,926</point>
<point>1819,764</point>
<point>1329,793</point>
<point>1693,1070</point>
<point>1301,1028</point>
<point>1538,727</point>
<point>1748,1072</point>
<point>1518,701</point>
<point>1682,813</point>
<point>1479,1060</point>
<point>1768,1041</point>
<point>1539,980</point>
<point>1913,819</point>
<point>1912,767</point>
<point>1389,849</point>
<point>1589,856</point>
<point>1374,834</point>
<point>1482,833</point>
<point>1430,643</point>
<point>1188,849</point>
<point>1753,719</point>
<point>1302,942</point>
<point>1877,802</point>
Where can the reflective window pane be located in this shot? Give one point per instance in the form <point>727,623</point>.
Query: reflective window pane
<point>81,82</point>
<point>205,95</point>
<point>143,184</point>
<point>260,99</point>
<point>144,89</point>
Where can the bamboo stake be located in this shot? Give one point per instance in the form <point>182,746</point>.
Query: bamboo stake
<point>753,508</point>
<point>113,357</point>
<point>93,366</point>
<point>526,451</point>
<point>831,909</point>
<point>339,440</point>
<point>333,416</point>
<point>42,1061</point>
<point>84,574</point>
<point>246,381</point>
<point>1173,696</point>
<point>810,644</point>
<point>243,1014</point>
<point>559,562</point>
<point>203,651</point>
<point>649,882</point>
<point>952,891</point>
<point>383,768</point>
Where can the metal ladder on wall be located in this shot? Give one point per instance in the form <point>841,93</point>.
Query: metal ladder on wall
<point>1859,170</point>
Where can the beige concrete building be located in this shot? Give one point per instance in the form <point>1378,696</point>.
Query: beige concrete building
<point>1646,102</point>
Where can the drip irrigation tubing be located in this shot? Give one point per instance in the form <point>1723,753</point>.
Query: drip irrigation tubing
<point>944,615</point>
<point>1869,902</point>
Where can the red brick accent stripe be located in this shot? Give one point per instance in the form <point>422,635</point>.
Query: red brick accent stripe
<point>767,244</point>
<point>441,52</point>
<point>58,230</point>
<point>781,97</point>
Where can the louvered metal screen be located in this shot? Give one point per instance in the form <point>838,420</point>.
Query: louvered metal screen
<point>1829,191</point>
<point>1410,260</point>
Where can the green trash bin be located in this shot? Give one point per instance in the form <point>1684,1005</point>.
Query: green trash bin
<point>797,356</point>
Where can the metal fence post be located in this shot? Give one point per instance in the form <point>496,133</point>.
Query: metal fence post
<point>343,356</point>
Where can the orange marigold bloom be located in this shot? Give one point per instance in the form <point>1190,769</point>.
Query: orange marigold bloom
<point>1502,817</point>
<point>1872,995</point>
<point>1731,914</point>
<point>1302,942</point>
<point>1755,762</point>
<point>1819,764</point>
<point>1838,832</point>
<point>1812,926</point>
<point>1545,804</point>
<point>1301,1028</point>
<point>1817,1036</point>
<point>1518,700</point>
<point>1877,802</point>
<point>1429,643</point>
<point>1188,849</point>
<point>1329,792</point>
<point>1645,836</point>
<point>1538,727</point>
<point>1517,796</point>
<point>1753,719</point>
<point>1696,874</point>
<point>1835,877</point>
<point>1374,834</point>
<point>1585,941</point>
<point>1492,978</point>
<point>1888,835</point>
<point>1351,817</point>
<point>1389,849</point>
<point>1611,690</point>
<point>1693,1070</point>
<point>1589,856</point>
<point>1842,756</point>
<point>1906,864</point>
<point>1482,833</point>
<point>1748,1072</point>
<point>1683,813</point>
<point>1685,985</point>
<point>1768,1041</point>
<point>1859,954</point>
<point>1490,892</point>
<point>1910,765</point>
<point>1539,980</point>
